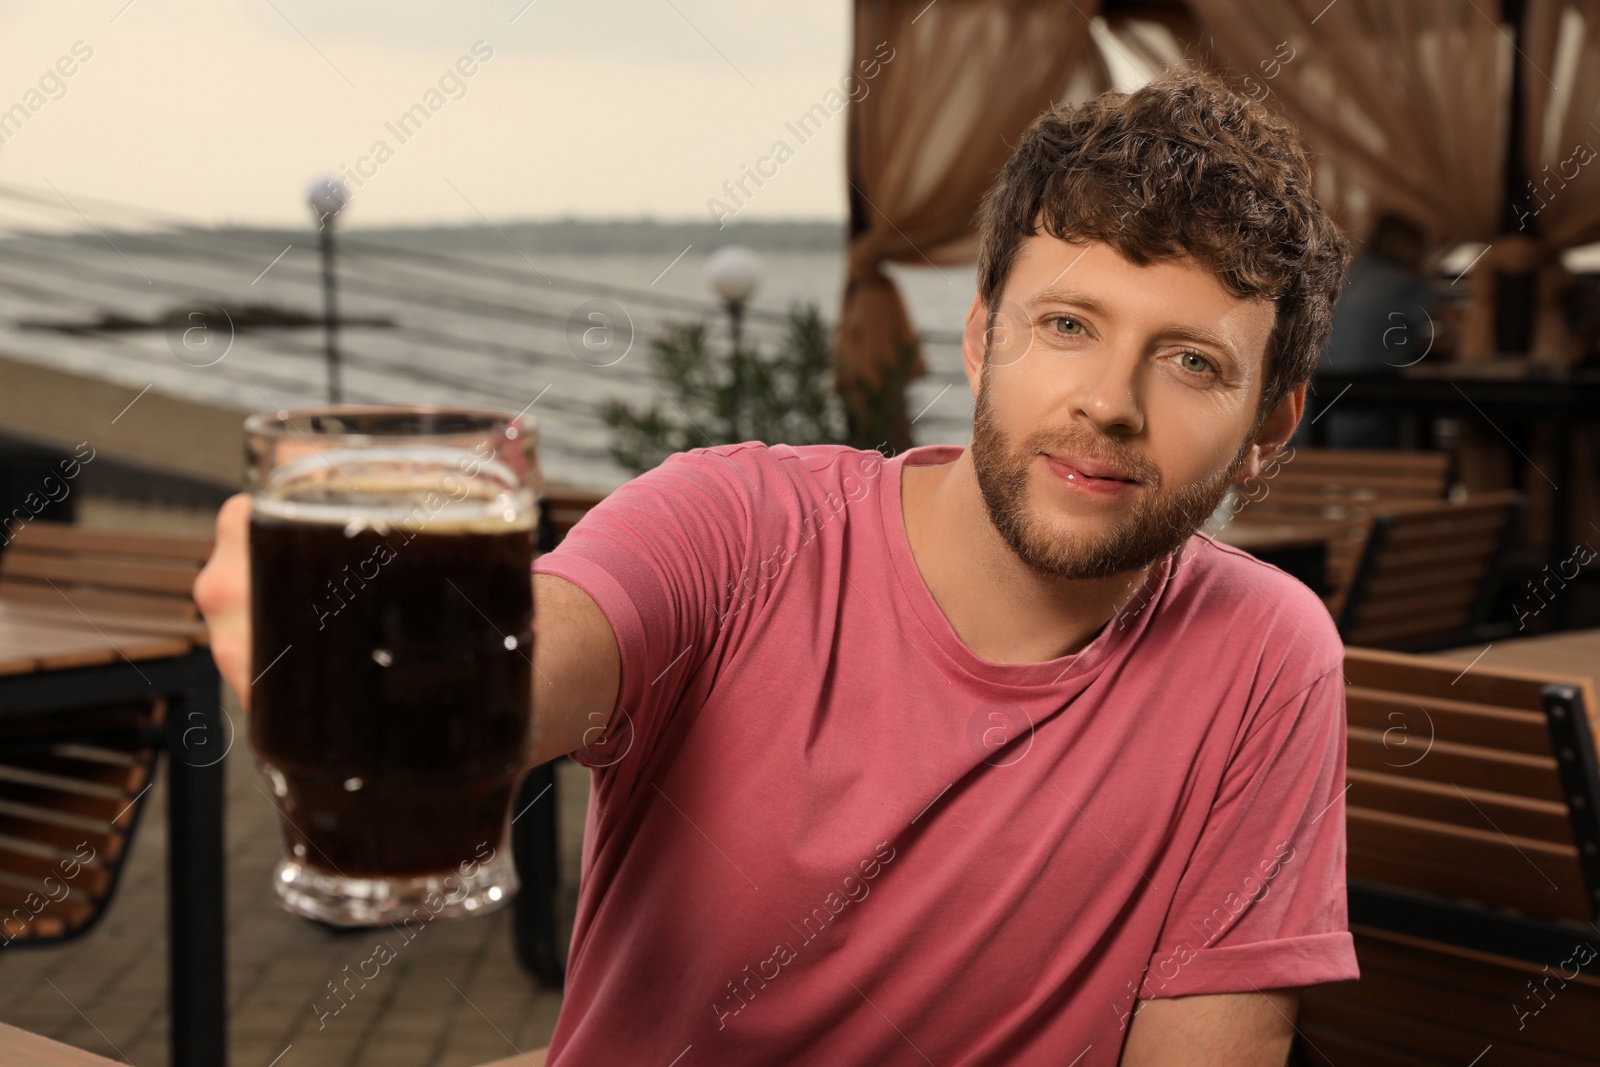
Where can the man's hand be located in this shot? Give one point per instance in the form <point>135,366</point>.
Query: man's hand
<point>222,590</point>
<point>1213,1030</point>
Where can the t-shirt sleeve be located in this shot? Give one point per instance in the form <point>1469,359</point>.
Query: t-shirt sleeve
<point>1261,904</point>
<point>659,557</point>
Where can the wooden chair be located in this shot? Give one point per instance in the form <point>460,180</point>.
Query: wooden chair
<point>1322,475</point>
<point>562,507</point>
<point>1346,487</point>
<point>1473,867</point>
<point>72,786</point>
<point>111,577</point>
<point>1427,572</point>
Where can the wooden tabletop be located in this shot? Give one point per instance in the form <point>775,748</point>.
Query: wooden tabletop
<point>39,637</point>
<point>1256,536</point>
<point>1574,653</point>
<point>24,1049</point>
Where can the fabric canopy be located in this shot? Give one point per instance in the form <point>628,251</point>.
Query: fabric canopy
<point>963,78</point>
<point>1400,100</point>
<point>1406,107</point>
<point>1562,113</point>
<point>1405,104</point>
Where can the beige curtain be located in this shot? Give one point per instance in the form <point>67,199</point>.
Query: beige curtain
<point>1406,102</point>
<point>1562,112</point>
<point>964,78</point>
<point>1561,49</point>
<point>1406,105</point>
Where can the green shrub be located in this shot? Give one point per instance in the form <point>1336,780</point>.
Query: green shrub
<point>726,397</point>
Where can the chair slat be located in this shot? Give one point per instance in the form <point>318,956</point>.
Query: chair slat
<point>96,603</point>
<point>69,539</point>
<point>107,843</point>
<point>100,806</point>
<point>1433,580</point>
<point>1463,765</point>
<point>78,571</point>
<point>1450,601</point>
<point>1507,888</point>
<point>127,778</point>
<point>116,720</point>
<point>92,877</point>
<point>1382,670</point>
<point>1416,720</point>
<point>1458,843</point>
<point>1439,802</point>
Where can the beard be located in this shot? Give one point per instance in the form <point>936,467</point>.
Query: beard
<point>1159,521</point>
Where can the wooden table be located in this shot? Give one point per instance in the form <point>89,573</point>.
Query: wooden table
<point>19,1048</point>
<point>1298,548</point>
<point>55,660</point>
<point>1575,653</point>
<point>1570,658</point>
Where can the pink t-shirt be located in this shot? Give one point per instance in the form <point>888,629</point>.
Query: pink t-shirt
<point>823,831</point>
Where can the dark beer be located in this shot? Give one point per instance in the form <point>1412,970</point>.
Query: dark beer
<point>391,709</point>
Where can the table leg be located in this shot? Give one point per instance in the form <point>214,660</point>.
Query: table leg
<point>1559,508</point>
<point>533,839</point>
<point>198,739</point>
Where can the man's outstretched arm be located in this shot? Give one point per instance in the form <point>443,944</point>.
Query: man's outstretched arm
<point>1213,1030</point>
<point>577,667</point>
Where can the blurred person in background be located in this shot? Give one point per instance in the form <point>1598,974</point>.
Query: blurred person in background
<point>1386,319</point>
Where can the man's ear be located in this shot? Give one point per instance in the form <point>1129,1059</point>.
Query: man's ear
<point>972,338</point>
<point>1273,437</point>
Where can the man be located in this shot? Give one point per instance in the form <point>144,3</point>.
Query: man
<point>976,755</point>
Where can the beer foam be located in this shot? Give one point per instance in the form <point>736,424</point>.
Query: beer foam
<point>438,490</point>
<point>476,517</point>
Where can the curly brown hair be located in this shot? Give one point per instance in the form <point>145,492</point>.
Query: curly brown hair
<point>1181,166</point>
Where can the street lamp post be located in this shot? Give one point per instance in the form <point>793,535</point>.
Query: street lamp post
<point>735,273</point>
<point>327,198</point>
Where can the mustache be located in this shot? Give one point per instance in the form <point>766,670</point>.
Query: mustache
<point>1098,450</point>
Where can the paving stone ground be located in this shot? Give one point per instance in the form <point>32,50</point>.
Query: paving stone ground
<point>454,996</point>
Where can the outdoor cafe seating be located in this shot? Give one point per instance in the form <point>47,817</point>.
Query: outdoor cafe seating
<point>1470,812</point>
<point>1444,555</point>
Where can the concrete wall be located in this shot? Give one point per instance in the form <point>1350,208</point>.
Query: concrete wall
<point>159,432</point>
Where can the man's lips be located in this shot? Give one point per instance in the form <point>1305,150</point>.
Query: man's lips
<point>1089,469</point>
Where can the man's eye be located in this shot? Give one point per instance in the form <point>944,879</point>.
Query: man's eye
<point>1200,364</point>
<point>1060,319</point>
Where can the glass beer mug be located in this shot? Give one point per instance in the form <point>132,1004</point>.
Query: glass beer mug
<point>392,640</point>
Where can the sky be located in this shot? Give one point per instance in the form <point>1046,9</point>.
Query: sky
<point>224,111</point>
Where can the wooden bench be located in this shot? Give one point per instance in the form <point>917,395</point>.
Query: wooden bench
<point>1473,866</point>
<point>71,784</point>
